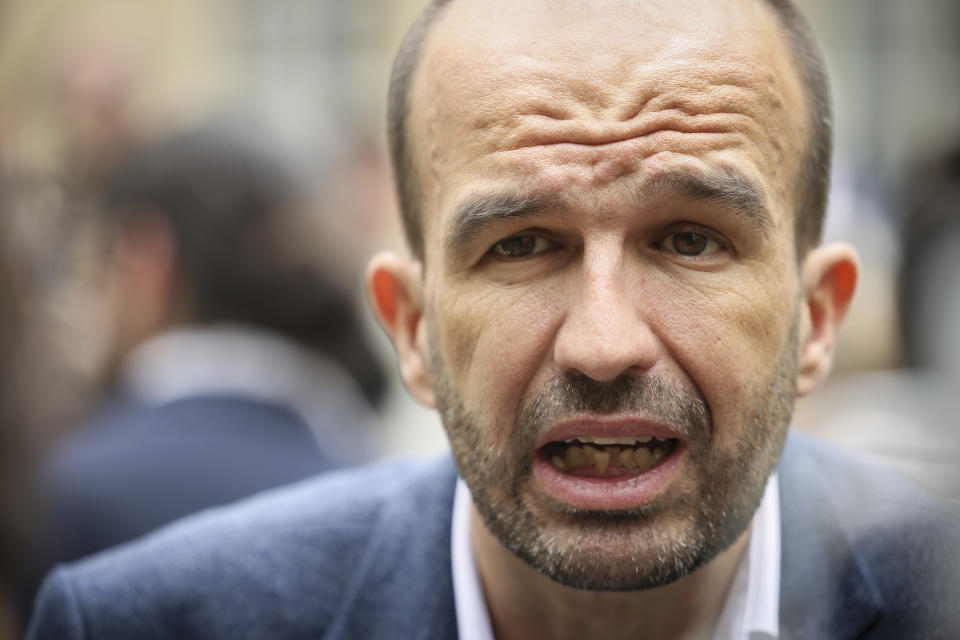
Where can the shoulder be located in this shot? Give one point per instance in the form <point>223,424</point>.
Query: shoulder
<point>858,534</point>
<point>193,409</point>
<point>125,445</point>
<point>172,459</point>
<point>283,559</point>
<point>865,494</point>
<point>122,422</point>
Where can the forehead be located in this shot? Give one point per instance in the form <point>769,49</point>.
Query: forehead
<point>517,88</point>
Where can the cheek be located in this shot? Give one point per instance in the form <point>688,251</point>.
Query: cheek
<point>494,341</point>
<point>729,338</point>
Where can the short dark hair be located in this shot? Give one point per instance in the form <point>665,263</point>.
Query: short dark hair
<point>815,171</point>
<point>232,205</point>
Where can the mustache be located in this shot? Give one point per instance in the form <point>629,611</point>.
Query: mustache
<point>650,396</point>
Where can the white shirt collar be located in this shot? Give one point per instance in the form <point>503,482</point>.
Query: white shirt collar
<point>752,608</point>
<point>751,611</point>
<point>473,619</point>
<point>238,360</point>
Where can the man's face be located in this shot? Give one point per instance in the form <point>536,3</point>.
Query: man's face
<point>610,287</point>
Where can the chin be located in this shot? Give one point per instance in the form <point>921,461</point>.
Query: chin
<point>631,550</point>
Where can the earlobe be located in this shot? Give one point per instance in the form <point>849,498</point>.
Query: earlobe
<point>144,278</point>
<point>829,280</point>
<point>394,290</point>
<point>146,252</point>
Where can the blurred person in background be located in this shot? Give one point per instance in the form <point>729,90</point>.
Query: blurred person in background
<point>15,449</point>
<point>238,364</point>
<point>929,310</point>
<point>929,283</point>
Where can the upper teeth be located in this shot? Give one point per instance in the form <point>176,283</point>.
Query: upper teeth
<point>628,441</point>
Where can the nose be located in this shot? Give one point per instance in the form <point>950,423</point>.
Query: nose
<point>604,333</point>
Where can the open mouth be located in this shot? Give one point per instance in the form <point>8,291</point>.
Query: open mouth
<point>609,464</point>
<point>608,457</point>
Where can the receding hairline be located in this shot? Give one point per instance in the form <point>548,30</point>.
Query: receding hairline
<point>812,182</point>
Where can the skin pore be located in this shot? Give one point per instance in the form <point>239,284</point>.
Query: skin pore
<point>607,200</point>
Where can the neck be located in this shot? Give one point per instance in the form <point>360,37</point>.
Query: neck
<point>525,604</point>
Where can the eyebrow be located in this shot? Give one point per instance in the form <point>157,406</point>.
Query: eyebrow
<point>725,187</point>
<point>481,211</point>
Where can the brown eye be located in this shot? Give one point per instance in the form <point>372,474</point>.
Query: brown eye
<point>688,243</point>
<point>521,246</point>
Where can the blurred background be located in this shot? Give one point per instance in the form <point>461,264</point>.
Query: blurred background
<point>85,84</point>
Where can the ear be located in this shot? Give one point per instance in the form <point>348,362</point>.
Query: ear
<point>394,289</point>
<point>143,276</point>
<point>146,254</point>
<point>829,277</point>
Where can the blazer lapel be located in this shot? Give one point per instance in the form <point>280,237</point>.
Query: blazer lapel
<point>825,591</point>
<point>403,586</point>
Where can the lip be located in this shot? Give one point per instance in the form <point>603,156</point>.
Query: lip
<point>613,492</point>
<point>606,427</point>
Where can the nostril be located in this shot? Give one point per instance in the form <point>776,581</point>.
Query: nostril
<point>604,355</point>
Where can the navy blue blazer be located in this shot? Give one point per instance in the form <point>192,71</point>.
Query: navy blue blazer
<point>365,554</point>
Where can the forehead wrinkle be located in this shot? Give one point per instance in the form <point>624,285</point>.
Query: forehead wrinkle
<point>482,211</point>
<point>524,99</point>
<point>725,187</point>
<point>515,117</point>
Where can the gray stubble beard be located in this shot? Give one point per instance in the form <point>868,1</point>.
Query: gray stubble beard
<point>573,549</point>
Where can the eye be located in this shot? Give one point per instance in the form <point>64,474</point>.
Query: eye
<point>690,243</point>
<point>522,245</point>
